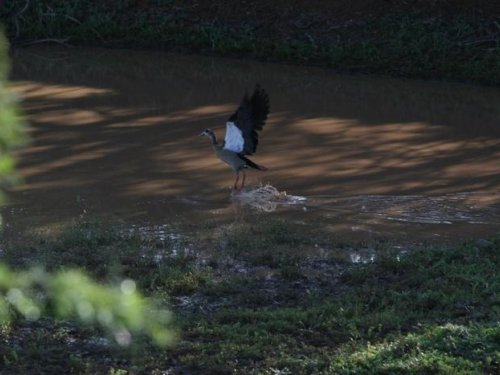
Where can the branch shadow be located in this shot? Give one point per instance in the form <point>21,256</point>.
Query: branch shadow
<point>116,132</point>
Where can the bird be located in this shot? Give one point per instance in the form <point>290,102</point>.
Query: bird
<point>242,137</point>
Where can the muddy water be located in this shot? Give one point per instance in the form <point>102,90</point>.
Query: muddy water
<point>114,135</point>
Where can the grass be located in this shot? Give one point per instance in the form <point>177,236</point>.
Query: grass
<point>274,299</point>
<point>434,311</point>
<point>110,254</point>
<point>401,44</point>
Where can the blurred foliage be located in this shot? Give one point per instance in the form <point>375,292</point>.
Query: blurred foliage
<point>11,126</point>
<point>119,310</point>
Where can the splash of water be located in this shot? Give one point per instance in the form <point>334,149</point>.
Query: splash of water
<point>265,198</point>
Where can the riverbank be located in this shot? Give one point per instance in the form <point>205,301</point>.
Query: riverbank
<point>272,298</point>
<point>442,40</point>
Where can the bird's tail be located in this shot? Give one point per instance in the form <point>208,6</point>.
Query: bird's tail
<point>251,164</point>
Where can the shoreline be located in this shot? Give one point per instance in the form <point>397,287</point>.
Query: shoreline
<point>401,42</point>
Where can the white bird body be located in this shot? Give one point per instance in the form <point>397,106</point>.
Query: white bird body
<point>233,140</point>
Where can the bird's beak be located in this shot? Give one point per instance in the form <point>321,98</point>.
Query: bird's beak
<point>202,133</point>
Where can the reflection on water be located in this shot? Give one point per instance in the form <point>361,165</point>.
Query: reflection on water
<point>363,256</point>
<point>115,136</point>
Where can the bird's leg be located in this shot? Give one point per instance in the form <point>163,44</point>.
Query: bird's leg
<point>244,178</point>
<point>235,186</point>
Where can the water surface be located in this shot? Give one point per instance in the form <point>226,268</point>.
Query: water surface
<point>114,135</point>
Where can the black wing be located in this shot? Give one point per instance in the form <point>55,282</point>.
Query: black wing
<point>250,117</point>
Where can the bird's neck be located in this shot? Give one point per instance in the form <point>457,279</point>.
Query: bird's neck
<point>213,139</point>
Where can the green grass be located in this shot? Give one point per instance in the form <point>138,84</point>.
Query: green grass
<point>303,310</point>
<point>449,348</point>
<point>109,254</point>
<point>434,311</point>
<point>409,44</point>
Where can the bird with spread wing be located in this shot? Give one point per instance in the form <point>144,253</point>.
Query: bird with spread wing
<point>242,135</point>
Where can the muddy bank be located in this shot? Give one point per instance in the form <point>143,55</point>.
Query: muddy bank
<point>269,298</point>
<point>454,40</point>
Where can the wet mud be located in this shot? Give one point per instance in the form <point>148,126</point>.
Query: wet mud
<point>114,136</point>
